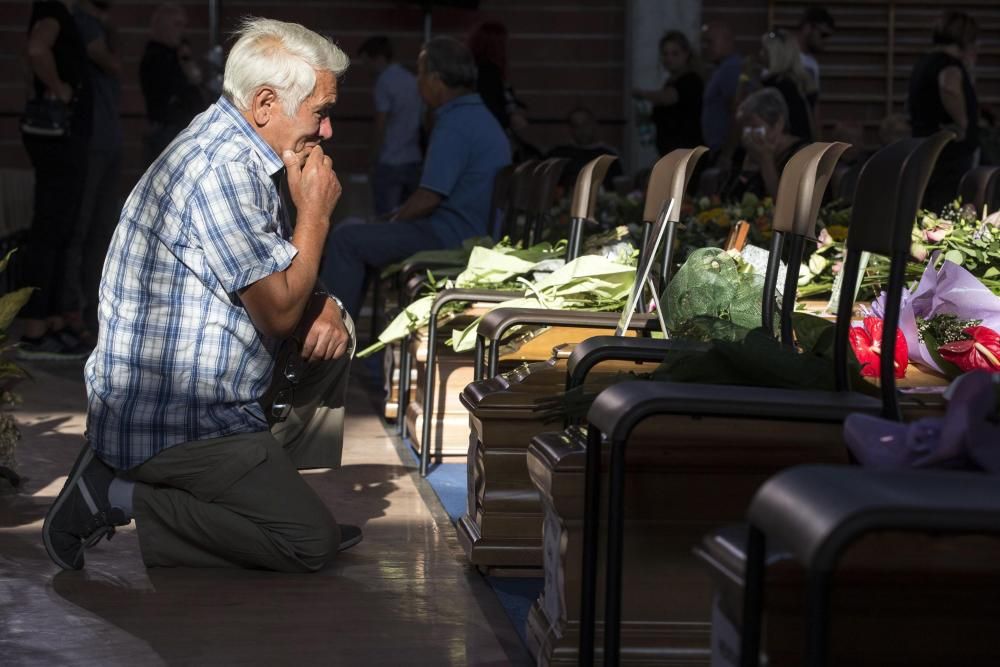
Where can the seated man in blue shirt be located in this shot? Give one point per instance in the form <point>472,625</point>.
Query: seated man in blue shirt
<point>467,148</point>
<point>220,366</point>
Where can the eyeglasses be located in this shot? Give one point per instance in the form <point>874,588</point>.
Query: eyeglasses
<point>283,400</point>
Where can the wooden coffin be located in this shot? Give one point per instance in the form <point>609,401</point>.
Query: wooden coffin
<point>898,599</point>
<point>391,370</point>
<point>685,476</point>
<point>450,423</point>
<point>454,371</point>
<point>502,526</point>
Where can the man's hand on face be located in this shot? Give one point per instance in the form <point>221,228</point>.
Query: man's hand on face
<point>322,330</point>
<point>312,183</point>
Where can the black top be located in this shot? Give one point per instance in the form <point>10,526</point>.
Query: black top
<point>798,106</point>
<point>170,98</point>
<point>741,182</point>
<point>679,125</point>
<point>490,86</point>
<point>70,56</point>
<point>927,113</point>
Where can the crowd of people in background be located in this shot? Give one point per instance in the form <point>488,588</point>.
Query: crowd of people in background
<point>73,135</point>
<point>753,109</point>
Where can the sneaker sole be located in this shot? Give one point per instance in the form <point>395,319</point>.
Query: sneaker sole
<point>350,543</point>
<point>82,461</point>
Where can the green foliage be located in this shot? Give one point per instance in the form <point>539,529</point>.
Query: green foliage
<point>957,232</point>
<point>10,305</point>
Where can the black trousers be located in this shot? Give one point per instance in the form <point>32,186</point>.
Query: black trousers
<point>60,172</point>
<point>100,208</point>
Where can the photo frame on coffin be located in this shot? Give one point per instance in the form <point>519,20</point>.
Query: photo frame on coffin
<point>642,274</point>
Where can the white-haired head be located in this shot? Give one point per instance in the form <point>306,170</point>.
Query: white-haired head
<point>284,56</point>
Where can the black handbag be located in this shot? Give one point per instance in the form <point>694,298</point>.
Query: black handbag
<point>46,118</point>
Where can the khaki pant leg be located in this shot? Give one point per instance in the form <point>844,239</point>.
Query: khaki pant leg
<point>236,501</point>
<point>313,433</point>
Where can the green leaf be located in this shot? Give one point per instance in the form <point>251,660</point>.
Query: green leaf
<point>813,333</point>
<point>955,256</point>
<point>11,303</point>
<point>950,370</point>
<point>6,259</point>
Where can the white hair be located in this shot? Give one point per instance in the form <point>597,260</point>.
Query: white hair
<point>281,55</point>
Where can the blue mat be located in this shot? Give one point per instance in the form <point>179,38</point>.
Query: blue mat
<point>449,481</point>
<point>516,594</point>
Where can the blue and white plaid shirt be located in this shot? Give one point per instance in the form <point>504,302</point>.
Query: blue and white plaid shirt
<point>178,358</point>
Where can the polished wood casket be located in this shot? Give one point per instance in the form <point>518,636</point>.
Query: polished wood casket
<point>898,599</point>
<point>684,477</point>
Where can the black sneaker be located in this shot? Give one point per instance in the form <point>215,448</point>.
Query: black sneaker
<point>349,536</point>
<point>53,346</point>
<point>81,515</point>
<point>75,342</point>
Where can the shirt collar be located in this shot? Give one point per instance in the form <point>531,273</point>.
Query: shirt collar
<point>271,160</point>
<point>461,100</point>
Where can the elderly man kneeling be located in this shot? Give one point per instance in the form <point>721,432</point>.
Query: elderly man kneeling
<point>221,363</point>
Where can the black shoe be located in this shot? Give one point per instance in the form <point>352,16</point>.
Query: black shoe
<point>81,515</point>
<point>349,536</point>
<point>53,346</point>
<point>76,342</point>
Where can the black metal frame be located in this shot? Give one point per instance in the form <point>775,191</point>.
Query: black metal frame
<point>442,299</point>
<point>903,167</point>
<point>850,503</point>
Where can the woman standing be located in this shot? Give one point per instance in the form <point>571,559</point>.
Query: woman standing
<point>55,132</point>
<point>942,96</point>
<point>783,71</point>
<point>677,106</point>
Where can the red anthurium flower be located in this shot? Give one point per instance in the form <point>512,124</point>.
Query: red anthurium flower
<point>980,351</point>
<point>867,345</point>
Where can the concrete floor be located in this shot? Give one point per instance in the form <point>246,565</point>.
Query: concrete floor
<point>403,596</point>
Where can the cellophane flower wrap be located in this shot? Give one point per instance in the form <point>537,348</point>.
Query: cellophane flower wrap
<point>948,290</point>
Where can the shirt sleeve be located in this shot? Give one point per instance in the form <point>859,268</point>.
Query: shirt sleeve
<point>234,213</point>
<point>446,160</point>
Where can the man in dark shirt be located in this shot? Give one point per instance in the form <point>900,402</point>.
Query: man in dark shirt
<point>170,79</point>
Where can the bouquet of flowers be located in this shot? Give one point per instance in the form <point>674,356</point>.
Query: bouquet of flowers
<point>956,235</point>
<point>710,219</point>
<point>950,321</point>
<point>963,238</point>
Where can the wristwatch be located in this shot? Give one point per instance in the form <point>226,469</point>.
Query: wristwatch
<point>340,304</point>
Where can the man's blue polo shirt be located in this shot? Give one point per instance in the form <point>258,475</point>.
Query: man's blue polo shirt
<point>467,148</point>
